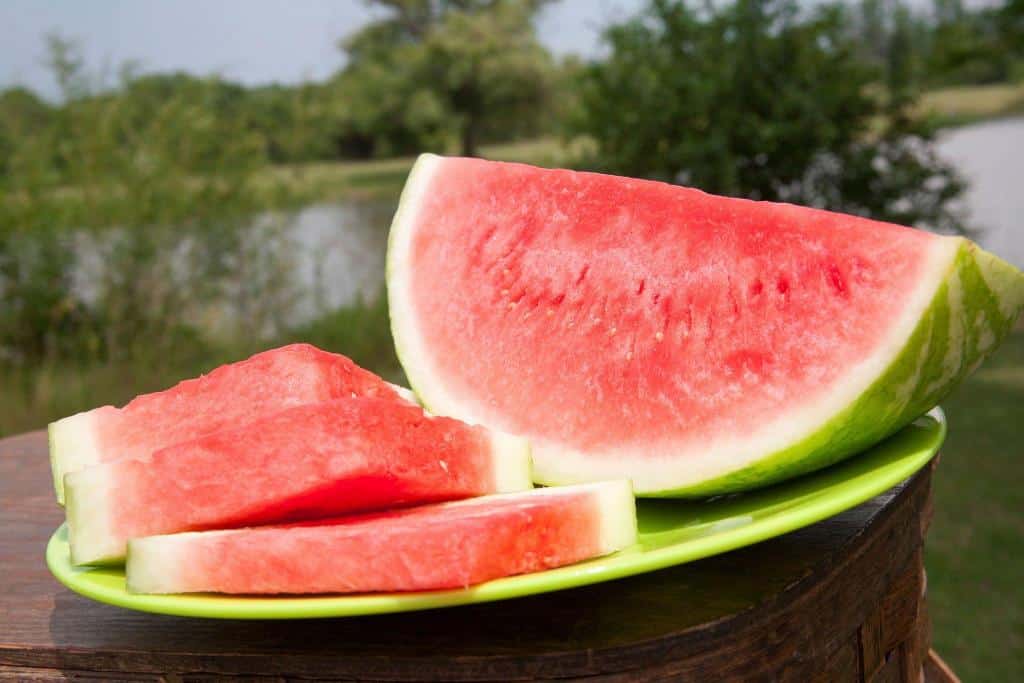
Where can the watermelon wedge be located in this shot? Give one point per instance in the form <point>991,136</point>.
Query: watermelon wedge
<point>228,396</point>
<point>695,344</point>
<point>450,545</point>
<point>306,462</point>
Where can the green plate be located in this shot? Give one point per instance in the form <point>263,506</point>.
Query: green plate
<point>671,532</point>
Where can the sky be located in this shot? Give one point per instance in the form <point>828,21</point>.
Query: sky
<point>252,41</point>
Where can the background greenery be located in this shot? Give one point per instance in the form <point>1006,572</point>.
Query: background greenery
<point>184,188</point>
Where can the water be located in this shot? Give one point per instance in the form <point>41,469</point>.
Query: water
<point>340,257</point>
<point>991,156</point>
<point>324,256</point>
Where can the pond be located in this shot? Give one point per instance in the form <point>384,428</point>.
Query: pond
<point>991,157</point>
<point>317,259</point>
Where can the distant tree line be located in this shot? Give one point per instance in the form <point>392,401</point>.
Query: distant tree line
<point>442,75</point>
<point>946,44</point>
<point>448,75</point>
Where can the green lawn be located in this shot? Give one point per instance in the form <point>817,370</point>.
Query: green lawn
<point>967,104</point>
<point>975,549</point>
<point>385,177</point>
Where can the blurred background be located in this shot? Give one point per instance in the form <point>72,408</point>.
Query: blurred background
<point>185,183</point>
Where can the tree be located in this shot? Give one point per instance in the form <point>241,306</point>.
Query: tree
<point>433,67</point>
<point>762,100</point>
<point>22,115</point>
<point>967,46</point>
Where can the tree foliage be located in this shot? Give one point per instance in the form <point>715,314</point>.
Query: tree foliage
<point>760,99</point>
<point>948,43</point>
<point>431,69</point>
<point>968,47</point>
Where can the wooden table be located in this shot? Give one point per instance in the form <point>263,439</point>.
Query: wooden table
<point>842,600</point>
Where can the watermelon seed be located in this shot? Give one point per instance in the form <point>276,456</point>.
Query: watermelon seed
<point>612,331</point>
<point>659,336</point>
<point>551,312</point>
<point>504,292</point>
<point>835,278</point>
<point>629,355</point>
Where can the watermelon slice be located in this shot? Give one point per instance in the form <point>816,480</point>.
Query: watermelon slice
<point>451,545</point>
<point>230,395</point>
<point>695,344</point>
<point>306,462</point>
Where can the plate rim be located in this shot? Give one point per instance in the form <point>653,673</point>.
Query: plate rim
<point>848,494</point>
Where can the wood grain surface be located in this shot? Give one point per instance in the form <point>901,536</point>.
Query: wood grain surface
<point>842,600</point>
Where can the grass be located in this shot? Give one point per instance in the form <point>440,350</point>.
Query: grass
<point>975,549</point>
<point>962,105</point>
<point>376,178</point>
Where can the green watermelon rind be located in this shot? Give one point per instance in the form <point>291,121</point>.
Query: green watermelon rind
<point>971,301</point>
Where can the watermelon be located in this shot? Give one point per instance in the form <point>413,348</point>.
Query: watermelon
<point>307,462</point>
<point>228,396</point>
<point>695,344</point>
<point>449,545</point>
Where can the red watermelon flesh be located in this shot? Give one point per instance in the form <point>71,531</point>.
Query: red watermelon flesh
<point>450,545</point>
<point>307,462</point>
<point>693,343</point>
<point>228,396</point>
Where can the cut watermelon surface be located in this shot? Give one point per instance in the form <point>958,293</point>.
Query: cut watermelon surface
<point>695,344</point>
<point>230,395</point>
<point>451,545</point>
<point>307,462</point>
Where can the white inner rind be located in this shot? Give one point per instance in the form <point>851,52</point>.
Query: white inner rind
<point>511,463</point>
<point>651,465</point>
<point>154,563</point>
<point>617,511</point>
<point>73,446</point>
<point>90,530</point>
<point>406,394</point>
<point>404,329</point>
